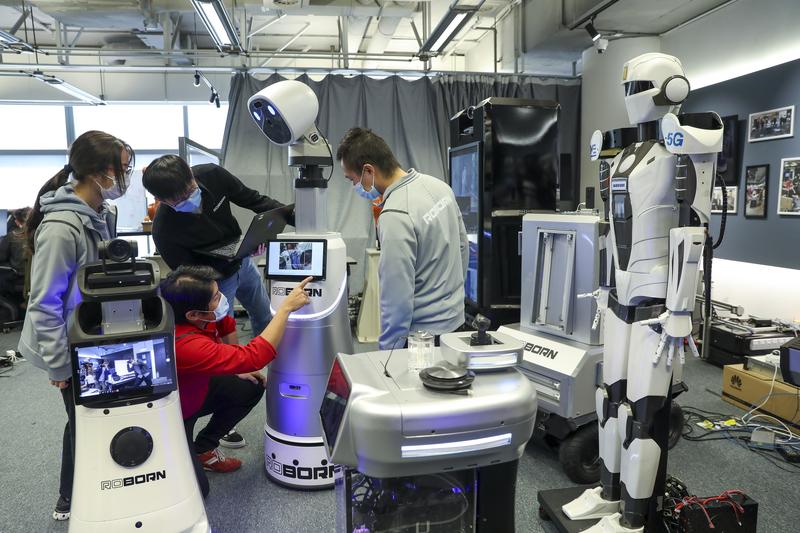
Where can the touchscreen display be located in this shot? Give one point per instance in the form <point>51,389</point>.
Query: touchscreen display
<point>124,369</point>
<point>296,259</point>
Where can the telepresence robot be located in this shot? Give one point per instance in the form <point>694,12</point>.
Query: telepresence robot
<point>660,201</point>
<point>433,452</point>
<point>133,468</point>
<point>294,451</point>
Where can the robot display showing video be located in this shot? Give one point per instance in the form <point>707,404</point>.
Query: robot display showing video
<point>106,370</point>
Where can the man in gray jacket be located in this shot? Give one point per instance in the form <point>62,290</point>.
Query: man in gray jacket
<point>424,247</point>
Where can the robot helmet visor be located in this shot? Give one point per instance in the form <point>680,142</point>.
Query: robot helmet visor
<point>636,87</point>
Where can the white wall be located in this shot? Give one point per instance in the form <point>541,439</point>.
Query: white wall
<point>763,291</point>
<point>743,37</point>
<point>602,103</point>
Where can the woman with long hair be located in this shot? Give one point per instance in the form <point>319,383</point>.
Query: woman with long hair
<point>69,221</point>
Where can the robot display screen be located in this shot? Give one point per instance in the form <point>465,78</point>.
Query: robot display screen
<point>334,404</point>
<point>464,179</point>
<point>296,259</point>
<point>124,369</point>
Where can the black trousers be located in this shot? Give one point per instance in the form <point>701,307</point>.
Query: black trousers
<point>68,444</point>
<point>229,400</point>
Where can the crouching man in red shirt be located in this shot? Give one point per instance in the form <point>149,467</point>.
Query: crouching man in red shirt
<point>217,376</point>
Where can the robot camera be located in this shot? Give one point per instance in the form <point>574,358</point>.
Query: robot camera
<point>601,45</point>
<point>285,112</point>
<point>118,250</point>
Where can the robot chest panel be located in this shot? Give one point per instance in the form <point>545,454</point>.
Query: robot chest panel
<point>642,200</point>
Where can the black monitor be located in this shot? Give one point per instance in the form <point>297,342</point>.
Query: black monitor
<point>790,362</point>
<point>122,369</point>
<point>296,259</point>
<point>334,404</point>
<point>465,171</point>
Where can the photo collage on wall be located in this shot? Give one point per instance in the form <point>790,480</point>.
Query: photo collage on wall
<point>761,126</point>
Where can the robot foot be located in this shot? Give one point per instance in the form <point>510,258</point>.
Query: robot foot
<point>590,505</point>
<point>610,524</point>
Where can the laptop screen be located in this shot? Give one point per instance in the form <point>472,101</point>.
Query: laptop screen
<point>295,260</point>
<point>123,369</point>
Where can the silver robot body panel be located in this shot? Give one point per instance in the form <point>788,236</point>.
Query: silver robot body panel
<point>298,376</point>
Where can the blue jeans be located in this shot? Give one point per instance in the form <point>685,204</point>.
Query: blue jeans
<point>248,287</point>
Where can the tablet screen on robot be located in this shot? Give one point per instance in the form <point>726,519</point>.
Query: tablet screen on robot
<point>123,369</point>
<point>292,260</point>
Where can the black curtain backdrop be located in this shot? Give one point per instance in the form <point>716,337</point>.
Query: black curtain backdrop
<point>412,116</point>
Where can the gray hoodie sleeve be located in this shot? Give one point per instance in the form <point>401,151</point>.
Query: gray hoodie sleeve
<point>397,275</point>
<point>54,266</point>
<point>462,237</point>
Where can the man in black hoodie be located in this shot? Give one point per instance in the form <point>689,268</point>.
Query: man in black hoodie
<point>195,213</point>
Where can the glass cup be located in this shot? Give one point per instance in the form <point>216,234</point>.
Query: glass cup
<point>420,351</point>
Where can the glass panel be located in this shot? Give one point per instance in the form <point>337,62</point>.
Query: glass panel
<point>21,177</point>
<point>144,127</point>
<point>207,125</point>
<point>35,127</point>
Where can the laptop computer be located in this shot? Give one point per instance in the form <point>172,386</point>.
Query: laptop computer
<point>264,227</point>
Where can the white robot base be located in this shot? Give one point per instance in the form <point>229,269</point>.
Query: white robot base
<point>611,524</point>
<point>159,494</point>
<point>297,462</point>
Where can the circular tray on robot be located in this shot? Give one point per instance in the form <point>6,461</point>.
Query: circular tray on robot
<point>446,378</point>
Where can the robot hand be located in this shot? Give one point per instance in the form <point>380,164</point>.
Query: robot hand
<point>598,297</point>
<point>675,327</point>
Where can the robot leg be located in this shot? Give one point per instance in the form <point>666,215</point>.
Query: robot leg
<point>641,454</point>
<point>603,501</point>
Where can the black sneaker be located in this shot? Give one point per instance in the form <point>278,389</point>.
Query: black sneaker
<point>61,511</point>
<point>233,440</point>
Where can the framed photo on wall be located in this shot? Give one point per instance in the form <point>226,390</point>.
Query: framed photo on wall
<point>716,200</point>
<point>756,191</point>
<point>772,124</point>
<point>789,199</point>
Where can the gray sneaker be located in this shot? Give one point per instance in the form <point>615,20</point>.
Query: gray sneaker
<point>233,440</point>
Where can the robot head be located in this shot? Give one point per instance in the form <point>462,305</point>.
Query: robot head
<point>285,111</point>
<point>654,84</point>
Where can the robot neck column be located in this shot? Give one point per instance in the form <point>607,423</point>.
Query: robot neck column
<point>647,131</point>
<point>311,205</point>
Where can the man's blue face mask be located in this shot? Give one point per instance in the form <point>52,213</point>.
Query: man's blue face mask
<point>371,194</point>
<point>190,205</point>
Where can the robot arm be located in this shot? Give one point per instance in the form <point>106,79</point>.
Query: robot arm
<point>695,139</point>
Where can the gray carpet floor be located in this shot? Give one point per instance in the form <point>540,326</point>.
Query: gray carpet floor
<point>32,420</point>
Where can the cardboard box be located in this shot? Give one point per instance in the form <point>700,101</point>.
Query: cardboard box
<point>746,389</point>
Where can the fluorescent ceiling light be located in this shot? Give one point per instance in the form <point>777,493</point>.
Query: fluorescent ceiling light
<point>455,447</point>
<point>7,38</point>
<point>218,24</point>
<point>452,23</point>
<point>448,33</point>
<point>65,87</point>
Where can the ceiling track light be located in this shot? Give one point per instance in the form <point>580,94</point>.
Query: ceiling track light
<point>63,86</point>
<point>219,25</point>
<point>592,31</point>
<point>452,23</point>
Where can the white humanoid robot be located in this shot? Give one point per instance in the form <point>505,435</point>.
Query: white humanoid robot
<point>659,199</point>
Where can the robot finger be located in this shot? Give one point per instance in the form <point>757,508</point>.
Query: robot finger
<point>596,321</point>
<point>671,354</point>
<point>681,351</point>
<point>662,343</point>
<point>693,347</point>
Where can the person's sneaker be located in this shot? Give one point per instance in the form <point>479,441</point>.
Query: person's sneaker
<point>61,512</point>
<point>233,440</point>
<point>215,461</point>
